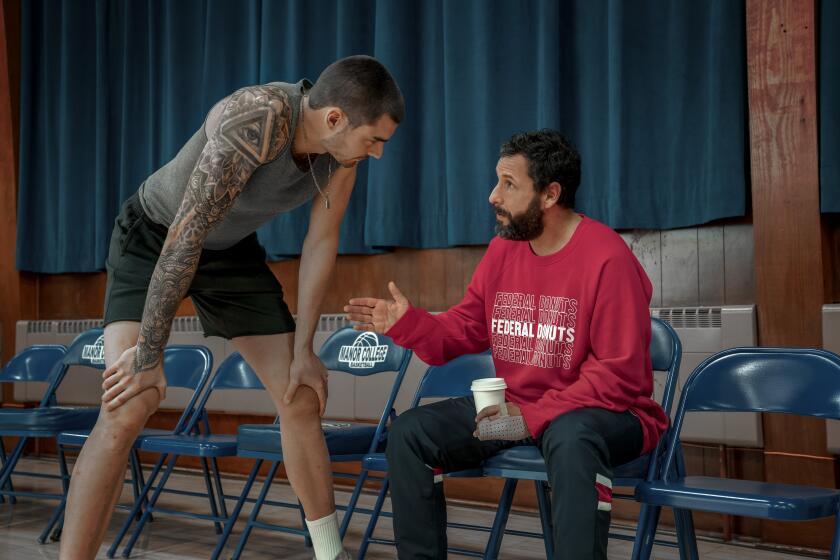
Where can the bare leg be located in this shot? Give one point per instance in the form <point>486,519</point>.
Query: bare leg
<point>98,475</point>
<point>304,449</point>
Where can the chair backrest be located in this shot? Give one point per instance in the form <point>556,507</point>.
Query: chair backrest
<point>366,353</point>
<point>454,378</point>
<point>665,355</point>
<point>188,367</point>
<point>87,349</point>
<point>791,380</point>
<point>35,363</point>
<point>184,366</point>
<point>233,373</point>
<point>800,381</point>
<point>362,353</point>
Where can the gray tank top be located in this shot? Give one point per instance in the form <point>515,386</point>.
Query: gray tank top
<point>275,187</point>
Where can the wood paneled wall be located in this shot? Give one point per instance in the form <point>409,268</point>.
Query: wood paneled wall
<point>434,279</point>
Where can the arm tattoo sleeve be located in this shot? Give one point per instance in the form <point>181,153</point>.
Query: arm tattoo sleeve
<point>253,128</point>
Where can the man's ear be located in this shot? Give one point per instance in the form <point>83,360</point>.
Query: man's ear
<point>336,119</point>
<point>551,194</point>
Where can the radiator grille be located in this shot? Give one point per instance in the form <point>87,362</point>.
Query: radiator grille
<point>327,323</point>
<point>689,317</point>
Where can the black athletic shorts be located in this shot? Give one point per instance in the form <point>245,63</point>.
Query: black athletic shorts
<point>233,291</point>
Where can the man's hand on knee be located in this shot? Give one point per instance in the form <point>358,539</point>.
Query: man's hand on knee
<point>122,383</point>
<point>307,369</point>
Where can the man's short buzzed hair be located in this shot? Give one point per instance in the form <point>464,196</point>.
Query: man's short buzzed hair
<point>361,87</point>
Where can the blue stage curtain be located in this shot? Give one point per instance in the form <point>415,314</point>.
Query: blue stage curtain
<point>652,93</point>
<point>829,91</point>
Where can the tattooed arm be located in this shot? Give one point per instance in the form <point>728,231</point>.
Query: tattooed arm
<point>251,129</point>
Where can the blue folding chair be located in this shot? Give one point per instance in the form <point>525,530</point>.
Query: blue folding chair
<point>185,367</point>
<point>195,440</point>
<point>804,382</point>
<point>451,380</point>
<point>347,351</point>
<point>525,462</point>
<point>33,364</point>
<point>49,418</point>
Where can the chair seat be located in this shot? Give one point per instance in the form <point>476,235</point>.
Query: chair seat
<point>742,497</point>
<point>190,445</point>
<point>526,462</point>
<point>47,421</point>
<point>79,437</point>
<point>522,461</point>
<point>343,438</point>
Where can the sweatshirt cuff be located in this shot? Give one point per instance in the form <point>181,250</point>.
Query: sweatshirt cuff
<point>534,419</point>
<point>409,327</point>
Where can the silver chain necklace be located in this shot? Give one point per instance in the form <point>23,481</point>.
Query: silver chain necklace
<point>323,194</point>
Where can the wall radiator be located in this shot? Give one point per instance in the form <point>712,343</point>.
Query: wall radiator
<point>703,331</point>
<point>831,342</point>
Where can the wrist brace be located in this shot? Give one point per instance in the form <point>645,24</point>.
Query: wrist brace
<point>510,428</point>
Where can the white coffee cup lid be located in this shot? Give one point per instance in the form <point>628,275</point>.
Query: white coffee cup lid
<point>488,384</point>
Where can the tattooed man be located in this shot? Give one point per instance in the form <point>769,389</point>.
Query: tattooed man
<point>190,231</point>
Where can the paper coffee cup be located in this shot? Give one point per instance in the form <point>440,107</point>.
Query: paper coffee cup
<point>489,391</point>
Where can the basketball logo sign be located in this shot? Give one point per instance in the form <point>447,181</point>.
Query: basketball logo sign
<point>364,352</point>
<point>95,353</point>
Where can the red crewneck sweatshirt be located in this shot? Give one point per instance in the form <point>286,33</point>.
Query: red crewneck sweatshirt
<point>568,330</point>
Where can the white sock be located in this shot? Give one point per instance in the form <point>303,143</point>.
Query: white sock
<point>325,538</point>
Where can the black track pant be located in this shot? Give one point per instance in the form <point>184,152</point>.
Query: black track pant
<point>580,448</point>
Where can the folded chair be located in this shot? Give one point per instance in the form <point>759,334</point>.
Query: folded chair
<point>346,351</point>
<point>47,364</point>
<point>185,367</point>
<point>33,364</point>
<point>447,381</point>
<point>194,440</point>
<point>526,462</point>
<point>804,382</point>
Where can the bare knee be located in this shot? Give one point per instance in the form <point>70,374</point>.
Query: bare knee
<point>117,429</point>
<point>303,408</point>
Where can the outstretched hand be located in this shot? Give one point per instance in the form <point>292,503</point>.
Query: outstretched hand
<point>377,315</point>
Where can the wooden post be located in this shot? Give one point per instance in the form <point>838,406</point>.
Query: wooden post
<point>789,251</point>
<point>19,290</point>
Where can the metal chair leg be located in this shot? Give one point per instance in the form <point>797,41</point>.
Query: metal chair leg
<point>351,505</point>
<point>686,539</point>
<point>65,486</point>
<point>255,511</point>
<point>374,518</point>
<point>211,494</point>
<point>220,492</point>
<point>544,504</point>
<point>497,533</point>
<point>138,504</point>
<point>246,490</point>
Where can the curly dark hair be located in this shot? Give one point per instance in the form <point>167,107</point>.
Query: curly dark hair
<point>551,157</point>
<point>362,87</point>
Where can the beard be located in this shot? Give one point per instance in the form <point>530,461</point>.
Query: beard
<point>524,227</point>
